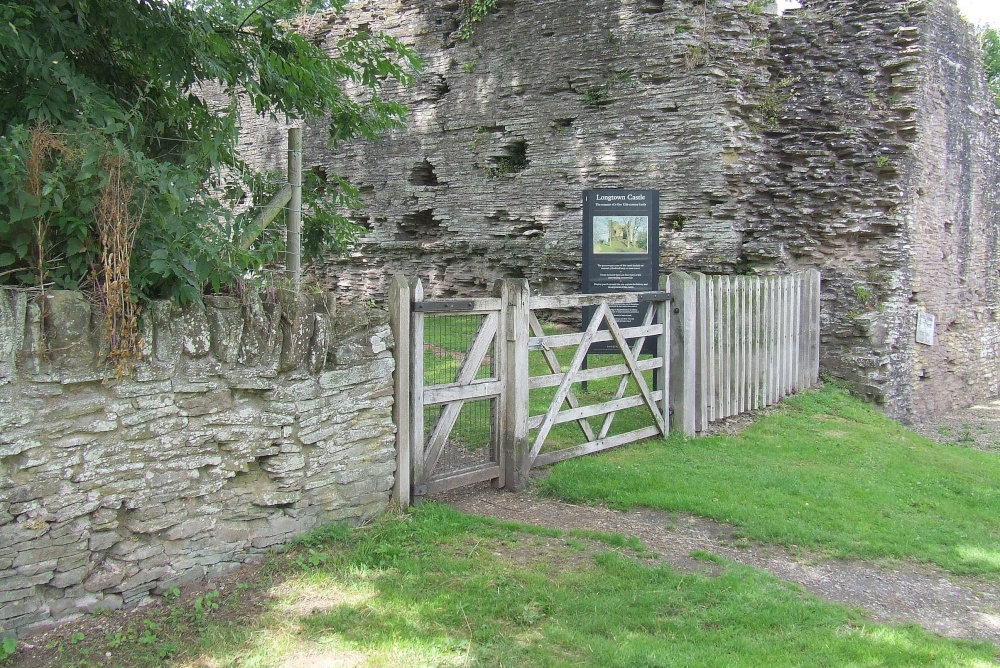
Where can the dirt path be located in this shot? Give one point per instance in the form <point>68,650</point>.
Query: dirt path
<point>940,602</point>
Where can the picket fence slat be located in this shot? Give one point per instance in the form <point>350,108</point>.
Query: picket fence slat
<point>758,341</point>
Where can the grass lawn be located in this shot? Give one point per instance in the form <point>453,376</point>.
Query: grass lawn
<point>825,471</point>
<point>438,588</point>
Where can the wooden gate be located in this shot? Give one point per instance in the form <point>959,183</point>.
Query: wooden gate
<point>491,368</point>
<point>724,345</point>
<point>603,326</point>
<point>464,385</point>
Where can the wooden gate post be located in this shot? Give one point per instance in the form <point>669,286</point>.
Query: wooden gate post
<point>811,323</point>
<point>399,320</point>
<point>517,459</point>
<point>683,331</point>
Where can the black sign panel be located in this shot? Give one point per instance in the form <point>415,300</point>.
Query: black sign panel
<point>621,251</point>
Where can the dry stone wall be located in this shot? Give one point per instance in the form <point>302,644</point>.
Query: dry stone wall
<point>246,423</point>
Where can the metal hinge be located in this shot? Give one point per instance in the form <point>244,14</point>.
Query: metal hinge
<point>655,297</point>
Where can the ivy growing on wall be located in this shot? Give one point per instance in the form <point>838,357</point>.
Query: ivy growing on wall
<point>475,11</point>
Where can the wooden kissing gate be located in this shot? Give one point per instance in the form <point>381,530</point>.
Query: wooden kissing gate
<point>471,357</point>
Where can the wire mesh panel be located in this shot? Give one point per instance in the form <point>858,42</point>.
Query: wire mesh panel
<point>447,339</point>
<point>459,396</point>
<point>470,443</point>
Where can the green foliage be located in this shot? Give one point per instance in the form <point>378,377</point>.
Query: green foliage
<point>990,40</point>
<point>203,606</point>
<point>826,471</point>
<point>87,88</point>
<point>475,11</point>
<point>597,96</point>
<point>8,647</point>
<point>311,560</point>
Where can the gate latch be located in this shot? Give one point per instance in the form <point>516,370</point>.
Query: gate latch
<point>418,490</point>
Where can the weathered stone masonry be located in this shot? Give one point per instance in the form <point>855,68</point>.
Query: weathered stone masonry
<point>854,136</point>
<point>880,168</point>
<point>246,423</point>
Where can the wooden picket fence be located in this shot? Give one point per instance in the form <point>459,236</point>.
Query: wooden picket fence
<point>756,340</point>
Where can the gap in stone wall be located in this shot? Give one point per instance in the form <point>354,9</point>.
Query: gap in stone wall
<point>423,174</point>
<point>420,226</point>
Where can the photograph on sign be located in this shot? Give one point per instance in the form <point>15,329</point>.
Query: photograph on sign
<point>621,234</point>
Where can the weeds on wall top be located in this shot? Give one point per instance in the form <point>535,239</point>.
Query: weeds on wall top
<point>475,11</point>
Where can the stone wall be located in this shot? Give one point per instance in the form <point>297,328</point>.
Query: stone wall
<point>246,423</point>
<point>853,136</point>
<point>547,98</point>
<point>845,79</point>
<point>879,168</point>
<point>954,215</point>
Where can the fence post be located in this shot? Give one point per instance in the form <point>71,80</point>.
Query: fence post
<point>399,320</point>
<point>683,331</point>
<point>702,347</point>
<point>293,231</point>
<point>663,316</point>
<point>812,320</point>
<point>416,439</point>
<point>517,459</point>
<point>498,430</point>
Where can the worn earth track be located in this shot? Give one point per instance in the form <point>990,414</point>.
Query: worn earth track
<point>905,593</point>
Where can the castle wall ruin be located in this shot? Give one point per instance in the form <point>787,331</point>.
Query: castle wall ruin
<point>853,136</point>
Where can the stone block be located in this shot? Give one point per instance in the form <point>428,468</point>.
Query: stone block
<point>190,528</point>
<point>72,344</point>
<point>297,327</point>
<point>225,324</point>
<point>16,609</point>
<point>320,344</point>
<point>192,326</point>
<point>261,339</point>
<point>270,497</point>
<point>284,464</point>
<point>13,309</point>
<point>106,576</point>
<point>9,595</point>
<point>204,403</point>
<point>69,578</point>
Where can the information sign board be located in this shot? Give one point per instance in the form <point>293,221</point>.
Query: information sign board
<point>621,250</point>
<point>925,328</point>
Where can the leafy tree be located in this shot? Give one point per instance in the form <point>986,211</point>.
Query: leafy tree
<point>991,60</point>
<point>102,93</point>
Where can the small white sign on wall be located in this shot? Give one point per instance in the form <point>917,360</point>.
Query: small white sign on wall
<point>925,328</point>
